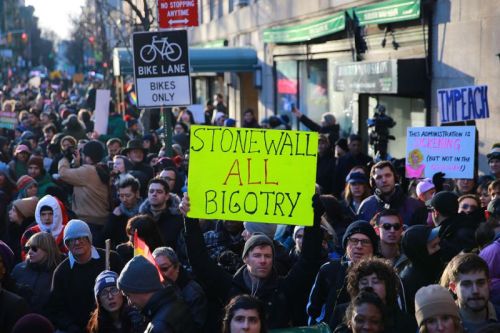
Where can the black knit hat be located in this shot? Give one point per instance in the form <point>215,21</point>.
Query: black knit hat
<point>94,150</point>
<point>257,240</point>
<point>139,276</point>
<point>360,227</point>
<point>445,202</point>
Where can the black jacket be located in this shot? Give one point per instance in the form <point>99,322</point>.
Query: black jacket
<point>279,294</point>
<point>457,234</point>
<point>168,313</point>
<point>12,307</point>
<point>329,289</point>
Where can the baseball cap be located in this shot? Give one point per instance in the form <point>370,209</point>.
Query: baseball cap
<point>445,202</point>
<point>424,186</point>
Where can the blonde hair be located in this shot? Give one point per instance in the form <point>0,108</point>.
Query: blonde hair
<point>46,242</point>
<point>419,155</point>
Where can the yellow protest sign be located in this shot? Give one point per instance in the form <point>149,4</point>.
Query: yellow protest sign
<point>255,175</point>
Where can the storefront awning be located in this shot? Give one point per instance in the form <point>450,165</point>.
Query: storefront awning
<point>388,11</point>
<point>307,31</point>
<point>224,59</point>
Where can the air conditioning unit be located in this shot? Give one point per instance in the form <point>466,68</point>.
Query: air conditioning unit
<point>241,3</point>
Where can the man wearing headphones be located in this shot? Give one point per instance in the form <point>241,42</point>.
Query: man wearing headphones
<point>389,195</point>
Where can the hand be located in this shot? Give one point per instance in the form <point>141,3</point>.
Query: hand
<point>76,157</point>
<point>94,135</point>
<point>296,112</point>
<point>185,206</point>
<point>117,211</point>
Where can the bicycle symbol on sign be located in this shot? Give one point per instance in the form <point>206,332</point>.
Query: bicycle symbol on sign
<point>171,51</point>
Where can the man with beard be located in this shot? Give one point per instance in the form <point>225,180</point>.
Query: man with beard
<point>469,280</point>
<point>389,195</point>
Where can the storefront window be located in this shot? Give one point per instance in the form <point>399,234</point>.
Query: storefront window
<point>201,94</point>
<point>406,112</point>
<point>313,89</point>
<point>286,86</point>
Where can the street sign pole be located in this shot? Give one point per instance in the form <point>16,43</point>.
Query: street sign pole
<point>161,73</point>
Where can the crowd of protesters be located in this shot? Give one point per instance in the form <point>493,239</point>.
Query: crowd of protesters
<point>385,254</point>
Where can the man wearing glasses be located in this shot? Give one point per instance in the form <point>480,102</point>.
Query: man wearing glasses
<point>329,289</point>
<point>72,298</point>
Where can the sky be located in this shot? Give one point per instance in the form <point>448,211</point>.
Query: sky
<point>55,14</point>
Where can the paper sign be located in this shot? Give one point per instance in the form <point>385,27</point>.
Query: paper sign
<point>449,149</point>
<point>464,103</point>
<point>198,111</point>
<point>101,112</point>
<point>252,175</point>
<point>8,119</point>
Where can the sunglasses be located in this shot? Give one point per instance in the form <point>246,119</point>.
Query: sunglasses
<point>389,226</point>
<point>32,248</point>
<point>467,206</point>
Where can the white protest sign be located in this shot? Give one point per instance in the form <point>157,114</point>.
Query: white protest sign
<point>161,68</point>
<point>101,113</point>
<point>448,149</point>
<point>198,113</point>
<point>463,103</point>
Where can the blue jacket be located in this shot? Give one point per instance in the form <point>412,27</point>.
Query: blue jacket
<point>412,211</point>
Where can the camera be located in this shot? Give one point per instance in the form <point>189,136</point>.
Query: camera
<point>69,153</point>
<point>379,136</point>
<point>111,165</point>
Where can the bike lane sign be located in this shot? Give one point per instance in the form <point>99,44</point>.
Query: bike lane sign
<point>161,68</point>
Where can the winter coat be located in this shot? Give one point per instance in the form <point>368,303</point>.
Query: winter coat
<point>325,169</point>
<point>194,296</point>
<point>12,307</point>
<point>44,182</point>
<point>491,254</point>
<point>33,284</point>
<point>279,294</point>
<point>90,200</point>
<point>422,269</point>
<point>412,211</point>
<point>56,229</point>
<point>168,313</point>
<point>116,128</point>
<point>457,234</point>
<point>329,290</point>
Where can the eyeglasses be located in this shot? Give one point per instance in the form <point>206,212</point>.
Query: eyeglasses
<point>72,241</point>
<point>31,247</point>
<point>389,226</point>
<point>356,241</point>
<point>113,291</point>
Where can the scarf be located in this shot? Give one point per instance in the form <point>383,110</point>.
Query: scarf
<point>132,211</point>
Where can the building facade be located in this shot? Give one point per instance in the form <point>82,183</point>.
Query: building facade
<point>346,57</point>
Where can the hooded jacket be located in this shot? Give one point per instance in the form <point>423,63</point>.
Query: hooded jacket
<point>56,229</point>
<point>457,234</point>
<point>412,211</point>
<point>423,269</point>
<point>491,254</point>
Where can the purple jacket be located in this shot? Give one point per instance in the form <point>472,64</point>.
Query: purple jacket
<point>491,254</point>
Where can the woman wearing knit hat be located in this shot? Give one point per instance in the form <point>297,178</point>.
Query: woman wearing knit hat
<point>37,172</point>
<point>26,187</point>
<point>33,276</point>
<point>436,311</point>
<point>21,216</point>
<point>18,166</point>
<point>112,314</point>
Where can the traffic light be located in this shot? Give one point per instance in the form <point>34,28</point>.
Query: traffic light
<point>24,37</point>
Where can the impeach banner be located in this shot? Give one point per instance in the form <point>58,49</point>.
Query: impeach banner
<point>252,175</point>
<point>463,103</point>
<point>449,149</point>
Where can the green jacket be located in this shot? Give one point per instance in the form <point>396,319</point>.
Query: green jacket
<point>116,128</point>
<point>44,181</point>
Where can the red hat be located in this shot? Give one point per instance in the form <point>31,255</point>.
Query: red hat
<point>24,181</point>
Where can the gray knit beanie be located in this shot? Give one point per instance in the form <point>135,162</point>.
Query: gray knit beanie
<point>139,276</point>
<point>257,240</point>
<point>75,229</point>
<point>267,229</point>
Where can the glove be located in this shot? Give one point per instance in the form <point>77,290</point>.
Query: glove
<point>438,181</point>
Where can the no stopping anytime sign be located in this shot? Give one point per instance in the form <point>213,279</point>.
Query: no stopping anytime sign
<point>161,68</point>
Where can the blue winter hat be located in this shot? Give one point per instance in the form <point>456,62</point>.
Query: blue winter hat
<point>104,280</point>
<point>357,178</point>
<point>76,229</point>
<point>230,122</point>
